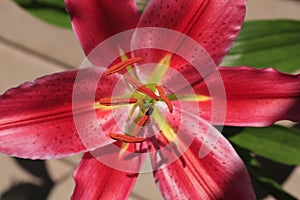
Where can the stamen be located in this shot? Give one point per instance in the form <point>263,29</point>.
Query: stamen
<point>126,138</point>
<point>142,122</point>
<point>117,101</point>
<point>140,87</point>
<point>164,98</point>
<point>122,65</point>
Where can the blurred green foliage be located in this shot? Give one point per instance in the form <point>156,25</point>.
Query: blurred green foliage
<point>267,43</point>
<point>51,11</point>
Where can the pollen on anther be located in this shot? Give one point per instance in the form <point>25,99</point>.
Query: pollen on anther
<point>122,65</point>
<point>117,101</point>
<point>126,138</point>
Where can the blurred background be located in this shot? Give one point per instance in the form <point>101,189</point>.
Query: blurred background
<point>30,48</point>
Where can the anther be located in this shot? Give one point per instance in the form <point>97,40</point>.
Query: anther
<point>164,98</point>
<point>140,87</point>
<point>142,121</point>
<point>122,65</point>
<point>117,101</point>
<point>126,138</point>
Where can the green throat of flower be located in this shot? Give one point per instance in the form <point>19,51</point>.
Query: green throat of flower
<point>144,97</point>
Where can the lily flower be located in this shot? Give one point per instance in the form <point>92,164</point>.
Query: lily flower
<point>39,119</point>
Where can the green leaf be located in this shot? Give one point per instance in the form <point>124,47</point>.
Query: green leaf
<point>141,4</point>
<point>275,142</point>
<point>274,188</point>
<point>257,171</point>
<point>265,176</point>
<point>267,43</point>
<point>51,11</point>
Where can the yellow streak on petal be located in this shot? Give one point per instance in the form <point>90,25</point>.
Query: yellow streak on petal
<point>122,54</point>
<point>123,149</point>
<point>129,67</point>
<point>98,106</point>
<point>160,70</point>
<point>194,98</point>
<point>165,128</point>
<point>197,97</point>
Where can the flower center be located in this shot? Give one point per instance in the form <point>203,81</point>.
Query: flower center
<point>143,98</point>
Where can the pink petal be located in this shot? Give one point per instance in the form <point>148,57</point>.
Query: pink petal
<point>96,20</point>
<point>95,180</point>
<point>213,23</point>
<point>220,174</point>
<point>37,118</point>
<point>255,97</point>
